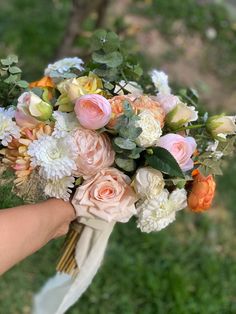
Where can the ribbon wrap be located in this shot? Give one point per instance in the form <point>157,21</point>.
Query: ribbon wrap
<point>62,291</point>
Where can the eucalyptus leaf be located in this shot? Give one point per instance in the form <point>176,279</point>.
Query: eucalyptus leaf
<point>125,164</point>
<point>22,84</point>
<point>162,160</point>
<point>14,70</point>
<point>124,143</point>
<point>112,60</point>
<point>12,79</point>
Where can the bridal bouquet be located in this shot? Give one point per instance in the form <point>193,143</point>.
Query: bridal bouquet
<point>115,142</point>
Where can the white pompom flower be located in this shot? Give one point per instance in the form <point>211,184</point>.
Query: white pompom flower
<point>65,123</point>
<point>151,129</point>
<point>60,188</point>
<point>160,81</point>
<point>54,157</point>
<point>8,127</point>
<point>64,65</point>
<point>157,213</point>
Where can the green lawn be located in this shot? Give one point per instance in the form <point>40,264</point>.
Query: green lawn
<point>189,267</point>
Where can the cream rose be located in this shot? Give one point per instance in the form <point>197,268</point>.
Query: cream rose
<point>220,125</point>
<point>180,115</point>
<point>94,152</point>
<point>151,129</point>
<point>108,195</point>
<point>148,182</point>
<point>36,107</point>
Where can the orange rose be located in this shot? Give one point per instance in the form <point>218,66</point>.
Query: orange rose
<point>202,193</point>
<point>138,104</point>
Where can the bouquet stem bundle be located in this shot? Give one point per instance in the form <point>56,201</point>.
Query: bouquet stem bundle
<point>67,262</point>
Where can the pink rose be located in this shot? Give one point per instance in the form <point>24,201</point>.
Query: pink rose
<point>182,148</point>
<point>167,102</point>
<point>107,195</point>
<point>94,152</point>
<point>93,111</point>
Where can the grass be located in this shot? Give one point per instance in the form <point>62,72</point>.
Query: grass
<point>190,267</point>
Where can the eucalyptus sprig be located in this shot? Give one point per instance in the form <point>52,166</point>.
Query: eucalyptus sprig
<point>111,61</point>
<point>124,142</point>
<point>11,84</point>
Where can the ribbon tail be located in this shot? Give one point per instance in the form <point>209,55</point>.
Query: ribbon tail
<point>62,291</point>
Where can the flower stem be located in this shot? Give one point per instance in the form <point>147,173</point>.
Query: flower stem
<point>196,126</point>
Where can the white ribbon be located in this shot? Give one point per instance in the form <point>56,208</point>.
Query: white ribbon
<point>62,291</point>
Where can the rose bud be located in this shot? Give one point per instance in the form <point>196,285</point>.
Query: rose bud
<point>220,125</point>
<point>180,115</point>
<point>31,109</point>
<point>93,111</point>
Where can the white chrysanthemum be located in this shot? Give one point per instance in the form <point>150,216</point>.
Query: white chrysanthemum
<point>64,65</point>
<point>151,129</point>
<point>160,81</point>
<point>65,123</point>
<point>55,157</point>
<point>60,188</point>
<point>8,128</point>
<point>157,213</point>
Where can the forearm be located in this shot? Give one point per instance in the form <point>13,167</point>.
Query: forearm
<point>25,229</point>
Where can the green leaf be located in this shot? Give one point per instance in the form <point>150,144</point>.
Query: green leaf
<point>112,60</point>
<point>210,166</point>
<point>22,84</point>
<point>14,70</point>
<point>228,147</point>
<point>9,60</point>
<point>124,143</point>
<point>163,160</point>
<point>125,164</point>
<point>111,43</point>
<point>135,154</point>
<point>11,79</point>
<point>98,39</point>
<point>130,132</point>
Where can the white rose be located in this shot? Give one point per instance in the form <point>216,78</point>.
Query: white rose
<point>181,115</point>
<point>151,129</point>
<point>179,199</point>
<point>148,182</point>
<point>221,125</point>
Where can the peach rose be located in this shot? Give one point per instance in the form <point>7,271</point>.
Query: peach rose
<point>117,108</point>
<point>138,104</point>
<point>108,195</point>
<point>93,111</point>
<point>144,102</point>
<point>202,193</point>
<point>94,152</point>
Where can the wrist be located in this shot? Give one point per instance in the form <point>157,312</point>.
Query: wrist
<point>59,216</point>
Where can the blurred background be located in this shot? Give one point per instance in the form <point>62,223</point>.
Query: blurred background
<point>190,267</point>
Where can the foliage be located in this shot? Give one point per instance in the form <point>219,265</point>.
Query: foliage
<point>110,59</point>
<point>124,143</point>
<point>11,84</point>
